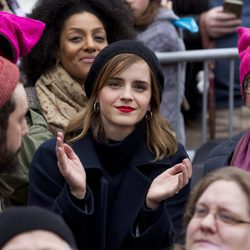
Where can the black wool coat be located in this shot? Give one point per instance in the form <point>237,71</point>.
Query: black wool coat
<point>88,218</point>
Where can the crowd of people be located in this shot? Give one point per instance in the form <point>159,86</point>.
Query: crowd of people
<point>92,134</point>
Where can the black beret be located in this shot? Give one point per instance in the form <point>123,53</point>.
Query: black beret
<point>121,47</point>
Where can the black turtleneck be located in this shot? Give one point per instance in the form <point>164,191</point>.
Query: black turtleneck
<point>115,157</point>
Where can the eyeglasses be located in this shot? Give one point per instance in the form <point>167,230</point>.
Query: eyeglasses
<point>221,217</point>
<point>247,87</point>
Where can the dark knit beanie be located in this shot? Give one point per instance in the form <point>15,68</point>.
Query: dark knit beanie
<point>121,47</point>
<point>9,76</point>
<point>17,220</point>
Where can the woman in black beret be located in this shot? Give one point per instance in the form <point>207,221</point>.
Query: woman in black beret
<point>124,181</point>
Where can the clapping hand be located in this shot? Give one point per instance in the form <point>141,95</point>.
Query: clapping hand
<point>168,183</point>
<point>71,167</point>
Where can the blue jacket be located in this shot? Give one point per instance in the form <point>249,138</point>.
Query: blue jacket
<point>88,218</point>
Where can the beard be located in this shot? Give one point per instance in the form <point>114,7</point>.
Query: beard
<point>8,160</point>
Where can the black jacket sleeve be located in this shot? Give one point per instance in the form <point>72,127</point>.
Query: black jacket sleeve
<point>48,189</point>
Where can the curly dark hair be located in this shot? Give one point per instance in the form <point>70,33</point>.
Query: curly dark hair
<point>116,15</point>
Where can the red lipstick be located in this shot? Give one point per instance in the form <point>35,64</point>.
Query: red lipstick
<point>125,109</point>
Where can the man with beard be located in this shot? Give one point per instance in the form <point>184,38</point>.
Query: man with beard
<point>13,125</point>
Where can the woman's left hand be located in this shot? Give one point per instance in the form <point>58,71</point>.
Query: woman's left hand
<point>168,183</point>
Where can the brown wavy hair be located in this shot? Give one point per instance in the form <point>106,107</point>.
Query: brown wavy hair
<point>160,138</point>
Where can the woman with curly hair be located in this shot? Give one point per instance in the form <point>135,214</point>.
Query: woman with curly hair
<point>76,31</point>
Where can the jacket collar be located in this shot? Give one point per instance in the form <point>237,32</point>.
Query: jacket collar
<point>85,150</point>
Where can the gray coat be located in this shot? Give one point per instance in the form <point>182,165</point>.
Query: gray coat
<point>162,36</point>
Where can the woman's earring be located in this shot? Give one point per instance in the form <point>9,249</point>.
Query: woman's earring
<point>96,107</point>
<point>149,115</point>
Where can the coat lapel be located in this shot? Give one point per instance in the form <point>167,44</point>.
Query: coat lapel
<point>129,201</point>
<point>86,152</point>
<point>131,195</point>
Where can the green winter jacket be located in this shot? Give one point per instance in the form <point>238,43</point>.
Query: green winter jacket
<point>14,185</point>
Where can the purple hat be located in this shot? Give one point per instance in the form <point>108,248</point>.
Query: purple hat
<point>22,33</point>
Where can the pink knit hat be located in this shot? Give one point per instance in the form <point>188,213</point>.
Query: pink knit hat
<point>9,76</point>
<point>22,32</point>
<point>244,54</point>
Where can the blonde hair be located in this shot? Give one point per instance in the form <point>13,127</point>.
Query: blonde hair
<point>160,138</point>
<point>229,173</point>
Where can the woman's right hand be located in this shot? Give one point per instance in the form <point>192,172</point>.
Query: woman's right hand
<point>71,167</point>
